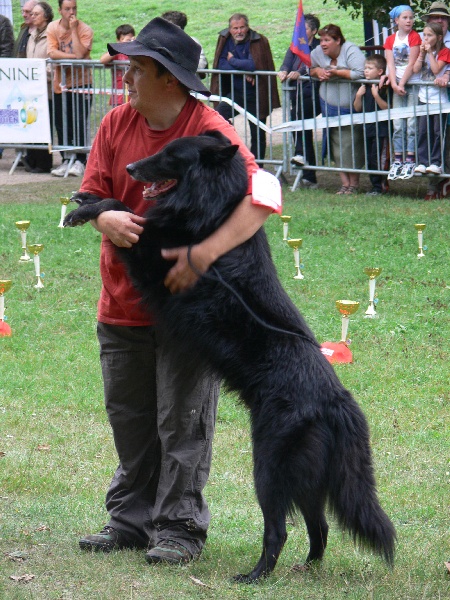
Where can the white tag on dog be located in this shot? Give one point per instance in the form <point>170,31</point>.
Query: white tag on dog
<point>266,190</point>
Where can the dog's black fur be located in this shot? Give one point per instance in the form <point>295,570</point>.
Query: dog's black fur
<point>310,439</point>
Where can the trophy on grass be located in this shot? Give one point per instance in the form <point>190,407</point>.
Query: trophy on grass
<point>296,244</point>
<point>5,329</point>
<point>22,226</point>
<point>346,308</point>
<point>64,202</point>
<point>373,273</point>
<point>420,227</point>
<point>339,352</point>
<point>35,249</point>
<point>285,219</point>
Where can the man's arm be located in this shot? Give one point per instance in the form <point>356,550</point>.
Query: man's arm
<point>244,222</point>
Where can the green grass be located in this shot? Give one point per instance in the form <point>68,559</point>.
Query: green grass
<point>58,451</point>
<point>206,19</point>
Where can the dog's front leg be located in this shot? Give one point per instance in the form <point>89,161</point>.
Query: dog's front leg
<point>89,211</point>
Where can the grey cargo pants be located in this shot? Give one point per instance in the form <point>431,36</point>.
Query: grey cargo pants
<point>162,414</point>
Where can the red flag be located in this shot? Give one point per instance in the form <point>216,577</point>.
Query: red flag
<point>299,44</point>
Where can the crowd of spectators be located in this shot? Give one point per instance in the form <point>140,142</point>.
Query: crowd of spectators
<point>328,88</point>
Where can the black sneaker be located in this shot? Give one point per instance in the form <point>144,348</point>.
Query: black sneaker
<point>107,540</point>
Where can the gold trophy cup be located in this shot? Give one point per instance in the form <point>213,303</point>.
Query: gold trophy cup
<point>346,308</point>
<point>285,219</point>
<point>295,244</point>
<point>420,227</point>
<point>64,202</point>
<point>372,273</point>
<point>22,226</point>
<point>5,329</point>
<point>35,249</point>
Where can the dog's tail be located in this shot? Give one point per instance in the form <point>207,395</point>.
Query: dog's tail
<point>352,494</point>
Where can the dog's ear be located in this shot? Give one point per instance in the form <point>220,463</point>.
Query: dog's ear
<point>218,135</point>
<point>218,154</point>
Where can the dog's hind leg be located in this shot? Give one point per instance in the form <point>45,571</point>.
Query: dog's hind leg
<point>271,497</point>
<point>317,528</point>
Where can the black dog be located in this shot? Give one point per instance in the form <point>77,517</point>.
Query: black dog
<point>310,438</point>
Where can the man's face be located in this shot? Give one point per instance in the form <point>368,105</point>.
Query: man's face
<point>443,22</point>
<point>238,30</point>
<point>68,8</point>
<point>26,12</point>
<point>145,86</point>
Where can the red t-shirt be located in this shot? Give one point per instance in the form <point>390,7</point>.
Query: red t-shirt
<point>125,137</point>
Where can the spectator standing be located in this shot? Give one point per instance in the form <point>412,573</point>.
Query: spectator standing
<point>161,410</point>
<point>439,13</point>
<point>40,161</point>
<point>432,62</point>
<point>20,46</point>
<point>305,102</point>
<point>370,98</point>
<point>124,33</point>
<point>401,51</point>
<point>68,38</point>
<point>336,63</point>
<point>6,43</point>
<point>180,19</point>
<point>6,37</point>
<point>240,48</point>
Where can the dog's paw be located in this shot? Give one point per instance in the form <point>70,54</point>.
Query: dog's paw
<point>248,579</point>
<point>73,219</point>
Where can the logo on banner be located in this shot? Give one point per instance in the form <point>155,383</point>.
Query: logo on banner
<point>24,112</point>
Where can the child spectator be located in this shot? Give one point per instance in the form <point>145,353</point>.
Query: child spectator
<point>370,98</point>
<point>401,51</point>
<point>432,62</point>
<point>124,33</point>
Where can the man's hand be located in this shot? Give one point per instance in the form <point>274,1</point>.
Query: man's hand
<point>181,276</point>
<point>122,228</point>
<point>73,22</point>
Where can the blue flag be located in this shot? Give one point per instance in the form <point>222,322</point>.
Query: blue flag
<point>299,44</point>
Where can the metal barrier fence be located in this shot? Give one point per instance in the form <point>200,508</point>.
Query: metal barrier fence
<point>330,138</point>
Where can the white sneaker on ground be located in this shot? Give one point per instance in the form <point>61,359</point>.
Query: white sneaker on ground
<point>309,184</point>
<point>420,169</point>
<point>407,170</point>
<point>298,160</point>
<point>61,170</point>
<point>77,169</point>
<point>434,169</point>
<point>395,170</point>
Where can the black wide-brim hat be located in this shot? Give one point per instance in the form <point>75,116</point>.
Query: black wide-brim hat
<point>170,46</point>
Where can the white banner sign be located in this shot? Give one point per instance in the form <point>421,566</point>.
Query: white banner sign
<point>24,114</point>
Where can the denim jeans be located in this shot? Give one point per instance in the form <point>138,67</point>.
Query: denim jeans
<point>404,130</point>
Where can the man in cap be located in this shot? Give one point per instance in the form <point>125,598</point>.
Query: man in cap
<point>439,13</point>
<point>162,414</point>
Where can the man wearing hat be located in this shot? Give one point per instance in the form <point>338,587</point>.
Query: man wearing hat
<point>162,414</point>
<point>439,13</point>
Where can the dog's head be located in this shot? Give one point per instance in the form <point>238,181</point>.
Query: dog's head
<point>176,161</point>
